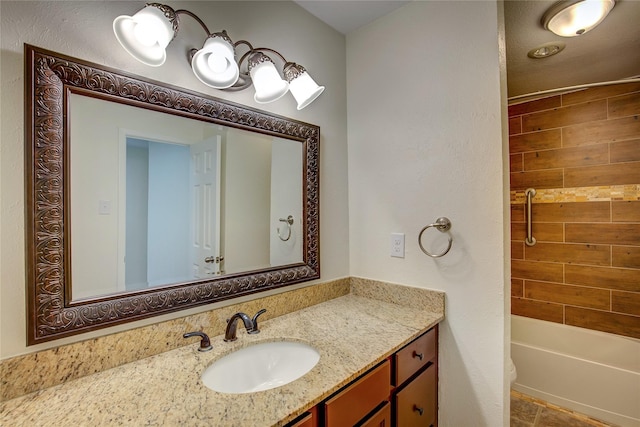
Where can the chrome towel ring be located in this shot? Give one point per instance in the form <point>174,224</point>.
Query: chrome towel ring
<point>443,225</point>
<point>289,221</point>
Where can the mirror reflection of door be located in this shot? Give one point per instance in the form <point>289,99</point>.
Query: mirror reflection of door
<point>172,215</point>
<point>206,255</point>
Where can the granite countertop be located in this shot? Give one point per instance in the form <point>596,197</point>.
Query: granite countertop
<point>352,334</point>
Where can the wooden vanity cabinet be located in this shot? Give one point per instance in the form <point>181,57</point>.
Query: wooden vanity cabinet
<point>401,391</point>
<point>354,402</point>
<point>308,419</point>
<point>415,404</point>
<point>380,418</point>
<point>415,397</point>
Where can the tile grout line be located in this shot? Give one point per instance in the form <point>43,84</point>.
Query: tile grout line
<point>537,418</point>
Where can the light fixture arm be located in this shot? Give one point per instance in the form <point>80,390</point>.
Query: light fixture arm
<point>259,49</point>
<point>194,16</point>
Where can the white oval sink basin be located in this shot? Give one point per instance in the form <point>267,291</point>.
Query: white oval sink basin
<point>260,367</point>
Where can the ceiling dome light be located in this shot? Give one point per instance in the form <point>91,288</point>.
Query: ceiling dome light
<point>146,34</point>
<point>215,64</point>
<point>266,80</point>
<point>576,17</point>
<point>303,88</point>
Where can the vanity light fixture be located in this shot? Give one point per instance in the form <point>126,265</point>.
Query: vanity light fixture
<point>146,34</point>
<point>575,17</point>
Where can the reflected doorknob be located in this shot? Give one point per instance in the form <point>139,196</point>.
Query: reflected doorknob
<point>212,259</point>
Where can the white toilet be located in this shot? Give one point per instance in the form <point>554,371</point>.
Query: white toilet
<point>513,373</point>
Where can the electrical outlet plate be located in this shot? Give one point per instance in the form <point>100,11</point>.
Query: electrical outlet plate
<point>397,245</point>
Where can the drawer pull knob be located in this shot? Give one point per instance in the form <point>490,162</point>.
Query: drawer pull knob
<point>418,409</point>
<point>418,355</point>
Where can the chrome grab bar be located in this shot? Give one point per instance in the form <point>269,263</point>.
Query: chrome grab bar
<point>529,240</point>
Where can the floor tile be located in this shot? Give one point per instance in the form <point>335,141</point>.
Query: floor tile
<point>528,411</point>
<point>524,410</point>
<point>551,418</point>
<point>519,423</point>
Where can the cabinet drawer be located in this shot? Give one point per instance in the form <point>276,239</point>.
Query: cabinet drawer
<point>416,403</point>
<point>357,400</point>
<point>382,418</point>
<point>308,419</point>
<point>414,356</point>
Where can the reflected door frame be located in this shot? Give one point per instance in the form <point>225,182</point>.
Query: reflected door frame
<point>206,177</point>
<point>213,230</point>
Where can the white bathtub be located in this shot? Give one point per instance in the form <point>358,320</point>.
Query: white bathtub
<point>594,373</point>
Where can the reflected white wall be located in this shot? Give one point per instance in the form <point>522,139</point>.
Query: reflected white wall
<point>168,239</point>
<point>247,169</point>
<point>98,156</point>
<point>286,199</point>
<point>137,212</point>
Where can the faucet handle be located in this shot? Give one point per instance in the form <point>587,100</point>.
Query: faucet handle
<point>254,320</point>
<point>205,342</point>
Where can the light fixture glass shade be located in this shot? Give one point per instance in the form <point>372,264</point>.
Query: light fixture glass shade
<point>573,18</point>
<point>215,64</point>
<point>146,34</point>
<point>303,88</point>
<point>267,82</point>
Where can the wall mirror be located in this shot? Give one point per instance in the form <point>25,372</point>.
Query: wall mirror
<point>143,198</point>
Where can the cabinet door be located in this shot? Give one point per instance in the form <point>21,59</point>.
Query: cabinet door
<point>354,402</point>
<point>416,403</point>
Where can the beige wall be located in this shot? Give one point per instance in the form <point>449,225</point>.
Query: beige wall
<point>425,140</point>
<point>83,30</point>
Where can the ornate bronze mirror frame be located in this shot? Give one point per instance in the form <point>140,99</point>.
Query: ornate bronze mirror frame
<point>50,80</point>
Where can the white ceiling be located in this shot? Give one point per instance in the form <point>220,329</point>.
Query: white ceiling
<point>348,15</point>
<point>609,52</point>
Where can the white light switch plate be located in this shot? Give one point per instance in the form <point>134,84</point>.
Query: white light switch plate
<point>104,207</point>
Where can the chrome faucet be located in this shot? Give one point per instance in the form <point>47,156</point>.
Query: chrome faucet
<point>250,324</point>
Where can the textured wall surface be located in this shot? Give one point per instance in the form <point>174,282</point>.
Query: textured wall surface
<point>425,140</point>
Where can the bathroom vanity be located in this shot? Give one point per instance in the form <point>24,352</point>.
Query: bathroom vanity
<point>400,391</point>
<point>377,343</point>
<point>369,343</point>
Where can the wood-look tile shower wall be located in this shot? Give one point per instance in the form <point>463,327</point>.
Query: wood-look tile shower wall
<point>581,152</point>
